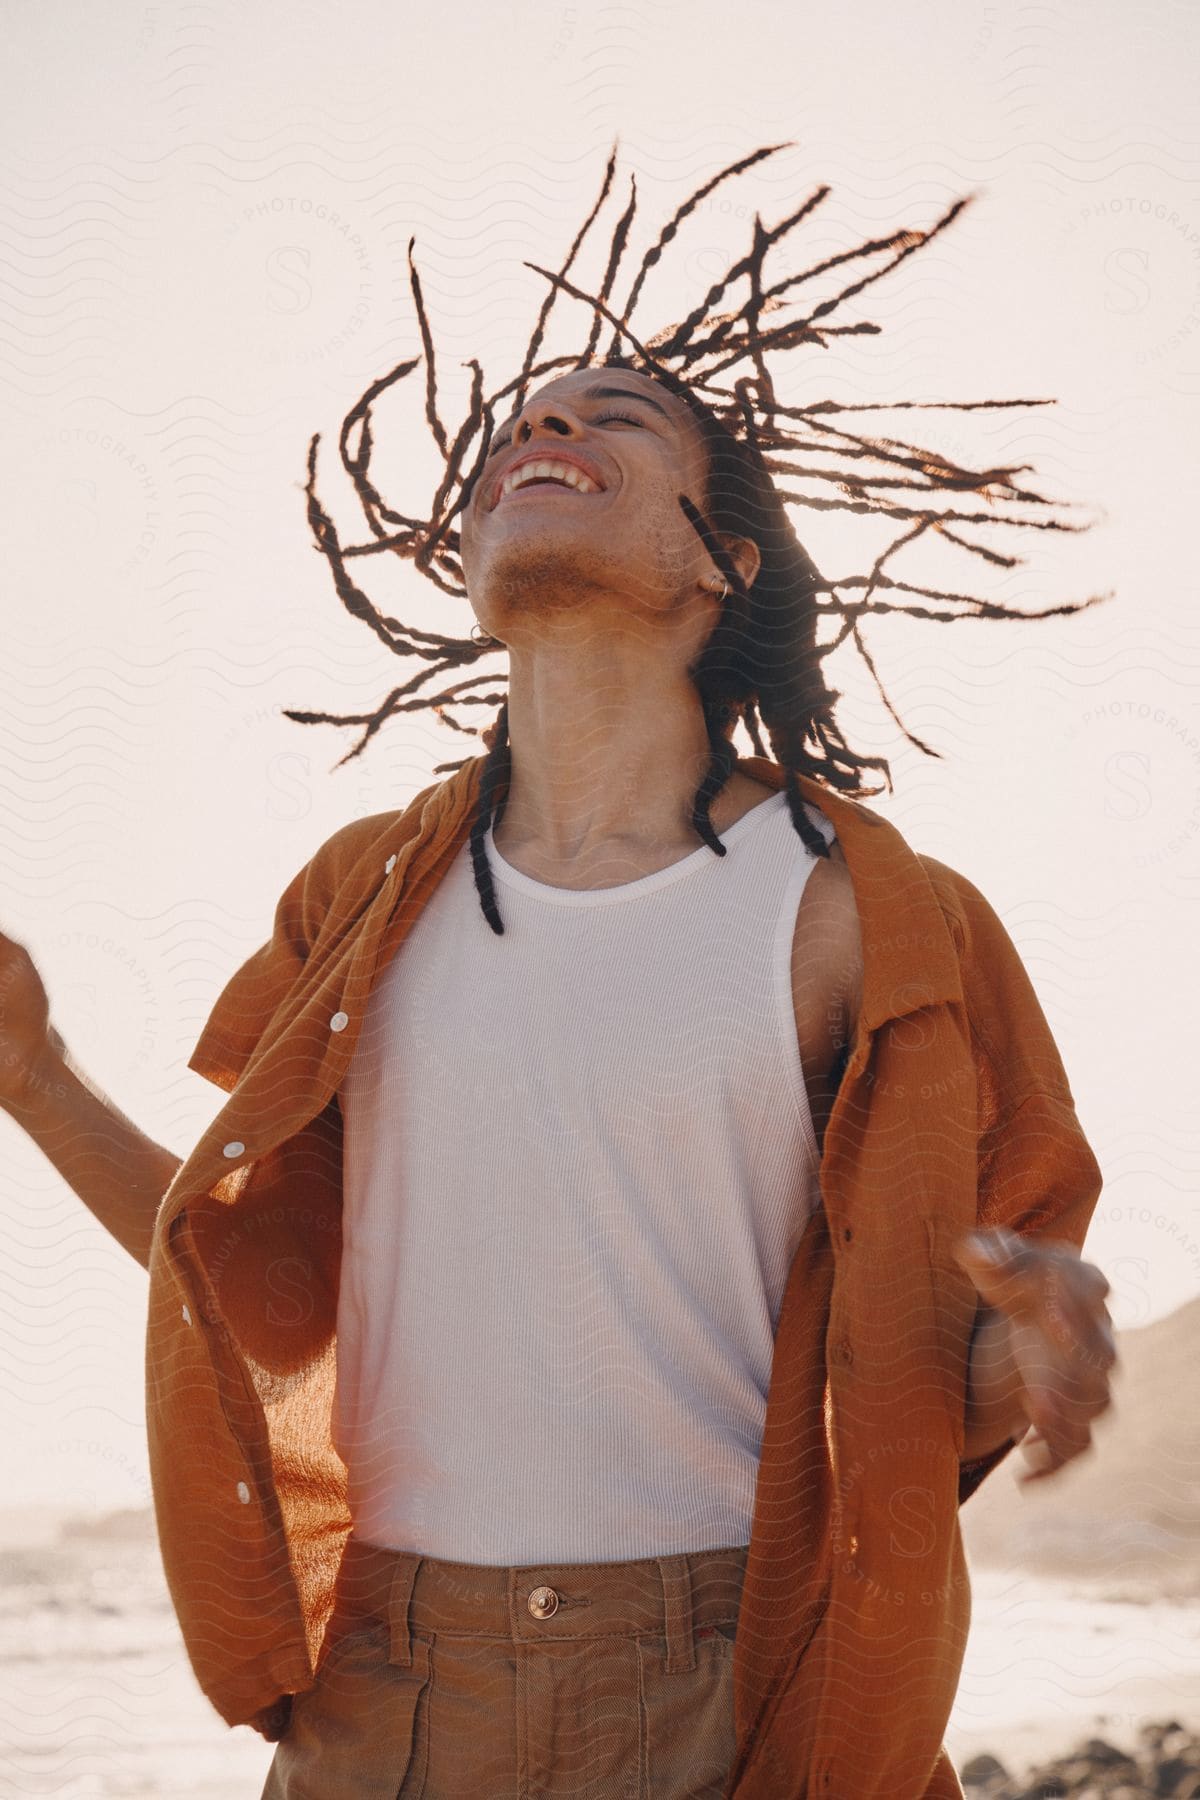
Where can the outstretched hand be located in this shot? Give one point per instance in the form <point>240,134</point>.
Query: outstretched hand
<point>1060,1337</point>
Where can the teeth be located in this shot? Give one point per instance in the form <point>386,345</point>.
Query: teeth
<point>542,471</point>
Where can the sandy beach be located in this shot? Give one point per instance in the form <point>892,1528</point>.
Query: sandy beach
<point>1050,1664</point>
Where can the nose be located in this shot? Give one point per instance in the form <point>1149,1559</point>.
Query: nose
<point>549,417</point>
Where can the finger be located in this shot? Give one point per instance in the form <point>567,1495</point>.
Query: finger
<point>1044,1459</point>
<point>1075,1318</point>
<point>1097,1281</point>
<point>1102,1341</point>
<point>1058,1396</point>
<point>1038,1460</point>
<point>1087,1359</point>
<point>1095,1340</point>
<point>1064,1431</point>
<point>1062,1404</point>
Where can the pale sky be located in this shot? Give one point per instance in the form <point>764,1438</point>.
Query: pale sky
<point>207,210</point>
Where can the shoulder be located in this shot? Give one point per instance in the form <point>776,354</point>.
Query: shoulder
<point>827,952</point>
<point>839,908</point>
<point>352,843</point>
<point>974,923</point>
<point>338,865</point>
<point>357,841</point>
<point>348,866</point>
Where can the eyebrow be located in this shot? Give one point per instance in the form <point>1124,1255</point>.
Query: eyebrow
<point>601,390</point>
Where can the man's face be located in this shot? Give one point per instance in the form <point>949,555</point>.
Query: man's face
<point>577,503</point>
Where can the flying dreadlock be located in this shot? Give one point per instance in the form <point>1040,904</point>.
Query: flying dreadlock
<point>763,660</point>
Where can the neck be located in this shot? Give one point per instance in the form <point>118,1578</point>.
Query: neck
<point>617,760</point>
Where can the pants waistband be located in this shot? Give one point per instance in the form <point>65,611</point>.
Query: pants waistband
<point>657,1596</point>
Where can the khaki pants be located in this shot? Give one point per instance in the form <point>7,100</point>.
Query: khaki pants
<point>601,1681</point>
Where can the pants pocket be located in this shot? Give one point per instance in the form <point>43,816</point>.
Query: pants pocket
<point>686,1722</point>
<point>361,1731</point>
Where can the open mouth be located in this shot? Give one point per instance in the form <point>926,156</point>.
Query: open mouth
<point>544,475</point>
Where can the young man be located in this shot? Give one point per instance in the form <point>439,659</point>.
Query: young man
<point>566,1356</point>
<point>586,1158</point>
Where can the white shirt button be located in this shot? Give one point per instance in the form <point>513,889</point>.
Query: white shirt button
<point>243,1493</point>
<point>390,864</point>
<point>187,1317</point>
<point>339,1021</point>
<point>235,1148</point>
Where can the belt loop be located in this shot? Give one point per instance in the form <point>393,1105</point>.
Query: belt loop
<point>399,1595</point>
<point>677,1605</point>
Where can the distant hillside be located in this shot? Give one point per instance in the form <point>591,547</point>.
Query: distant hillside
<point>129,1525</point>
<point>1128,1510</point>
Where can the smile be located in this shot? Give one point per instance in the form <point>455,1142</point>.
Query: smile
<point>547,472</point>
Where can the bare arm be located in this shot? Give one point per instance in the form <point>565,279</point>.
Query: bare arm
<point>118,1172</point>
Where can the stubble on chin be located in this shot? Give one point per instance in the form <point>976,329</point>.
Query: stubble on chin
<point>544,579</point>
<point>540,581</point>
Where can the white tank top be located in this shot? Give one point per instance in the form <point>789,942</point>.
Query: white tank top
<point>578,1160</point>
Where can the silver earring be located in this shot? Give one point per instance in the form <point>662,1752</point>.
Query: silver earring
<point>483,641</point>
<point>724,594</point>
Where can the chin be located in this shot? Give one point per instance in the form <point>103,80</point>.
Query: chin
<point>540,577</point>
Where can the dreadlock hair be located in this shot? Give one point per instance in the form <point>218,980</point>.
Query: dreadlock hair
<point>762,661</point>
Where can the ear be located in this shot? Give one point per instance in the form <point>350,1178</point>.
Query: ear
<point>745,554</point>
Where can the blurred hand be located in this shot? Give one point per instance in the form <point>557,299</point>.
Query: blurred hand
<point>1060,1336</point>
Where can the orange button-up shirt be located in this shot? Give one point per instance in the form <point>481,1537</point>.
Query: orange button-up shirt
<point>953,1110</point>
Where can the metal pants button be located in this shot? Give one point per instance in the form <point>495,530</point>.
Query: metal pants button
<point>543,1602</point>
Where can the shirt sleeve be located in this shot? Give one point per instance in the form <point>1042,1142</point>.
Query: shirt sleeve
<point>253,993</point>
<point>1037,1173</point>
<point>250,997</point>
